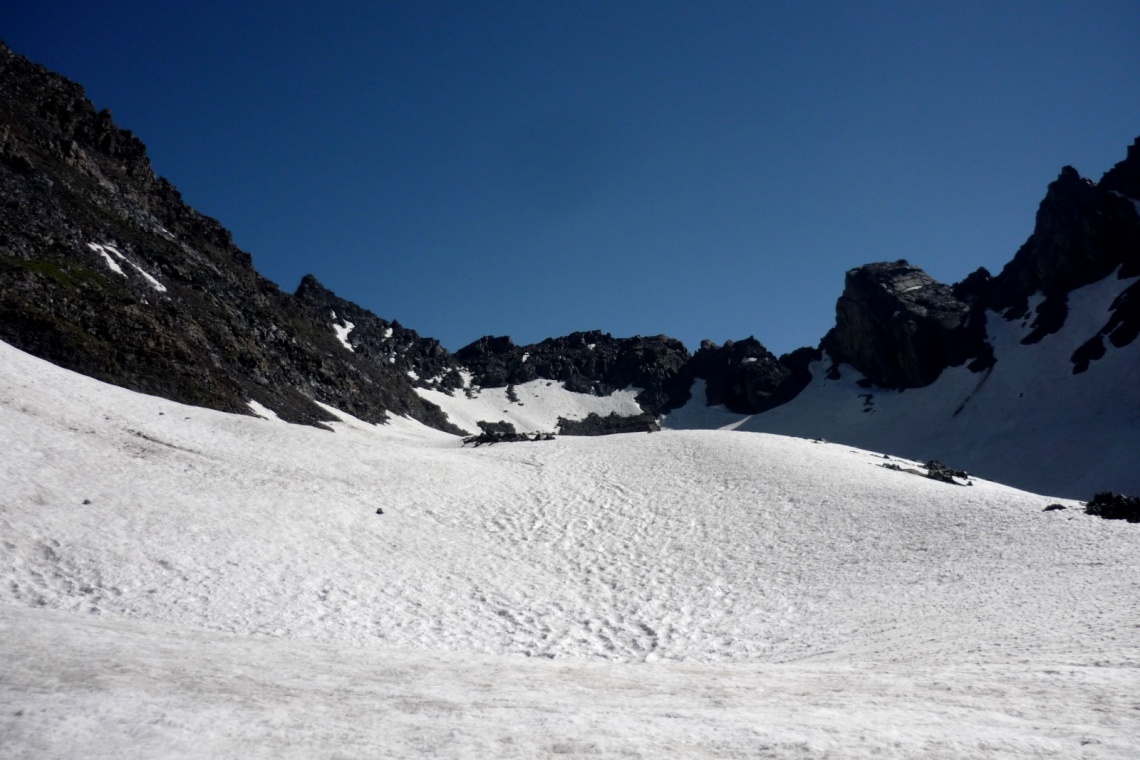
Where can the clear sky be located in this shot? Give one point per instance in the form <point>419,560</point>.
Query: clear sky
<point>700,169</point>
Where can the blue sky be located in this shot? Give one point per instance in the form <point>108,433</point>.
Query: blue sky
<point>699,169</point>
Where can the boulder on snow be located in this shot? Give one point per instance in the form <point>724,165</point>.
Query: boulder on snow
<point>1114,506</point>
<point>934,470</point>
<point>502,432</point>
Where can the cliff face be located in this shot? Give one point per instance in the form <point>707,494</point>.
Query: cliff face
<point>1084,233</point>
<point>104,270</point>
<point>901,328</point>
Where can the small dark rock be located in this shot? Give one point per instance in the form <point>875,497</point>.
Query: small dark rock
<point>935,470</point>
<point>379,511</point>
<point>1054,507</point>
<point>498,432</point>
<point>86,501</point>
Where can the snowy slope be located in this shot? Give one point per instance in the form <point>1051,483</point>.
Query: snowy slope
<point>540,404</point>
<point>228,589</point>
<point>1029,422</point>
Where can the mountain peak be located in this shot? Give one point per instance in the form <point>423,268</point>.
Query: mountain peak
<point>899,326</point>
<point>1124,177</point>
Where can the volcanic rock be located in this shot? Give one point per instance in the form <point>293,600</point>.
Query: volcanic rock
<point>900,327</point>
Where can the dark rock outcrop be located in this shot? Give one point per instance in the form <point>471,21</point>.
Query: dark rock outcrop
<point>1124,177</point>
<point>104,270</point>
<point>586,362</point>
<point>748,378</point>
<point>502,432</point>
<point>611,424</point>
<point>1084,232</point>
<point>1114,506</point>
<point>933,470</point>
<point>1123,324</point>
<point>900,327</point>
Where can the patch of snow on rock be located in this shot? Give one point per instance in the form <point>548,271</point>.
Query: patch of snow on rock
<point>342,331</point>
<point>111,263</point>
<point>108,250</point>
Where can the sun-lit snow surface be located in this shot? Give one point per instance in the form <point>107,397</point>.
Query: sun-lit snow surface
<point>1030,422</point>
<point>229,590</point>
<point>540,404</point>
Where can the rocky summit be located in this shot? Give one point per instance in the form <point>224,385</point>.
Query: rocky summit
<point>899,327</point>
<point>105,270</point>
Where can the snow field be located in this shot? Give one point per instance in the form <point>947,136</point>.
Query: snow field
<point>119,689</point>
<point>540,404</point>
<point>1029,422</point>
<point>678,594</point>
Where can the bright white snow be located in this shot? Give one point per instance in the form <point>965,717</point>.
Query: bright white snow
<point>342,331</point>
<point>540,404</point>
<point>1029,422</point>
<point>261,410</point>
<point>107,251</point>
<point>229,590</point>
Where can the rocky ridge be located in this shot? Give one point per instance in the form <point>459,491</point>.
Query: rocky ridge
<point>591,362</point>
<point>900,328</point>
<point>105,270</point>
<point>377,341</point>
